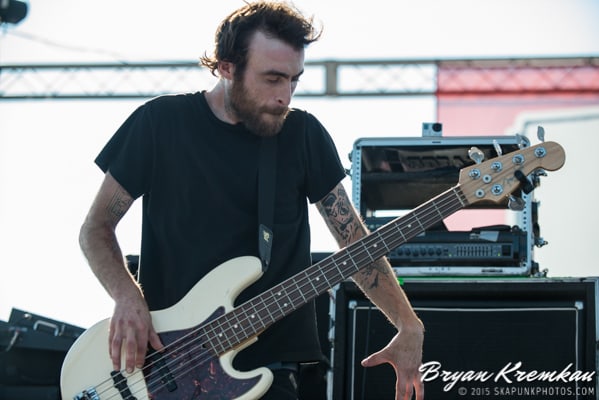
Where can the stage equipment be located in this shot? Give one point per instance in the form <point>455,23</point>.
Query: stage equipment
<point>478,325</point>
<point>391,176</point>
<point>32,349</point>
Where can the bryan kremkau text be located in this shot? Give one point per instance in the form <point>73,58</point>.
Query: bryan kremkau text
<point>511,372</point>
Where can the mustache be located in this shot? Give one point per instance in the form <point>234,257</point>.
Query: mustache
<point>277,111</point>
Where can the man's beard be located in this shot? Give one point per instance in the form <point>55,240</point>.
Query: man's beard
<point>261,121</point>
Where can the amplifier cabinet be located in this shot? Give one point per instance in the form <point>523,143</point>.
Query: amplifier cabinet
<point>484,339</point>
<point>33,348</point>
<point>392,176</point>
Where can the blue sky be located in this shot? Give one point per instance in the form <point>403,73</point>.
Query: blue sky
<point>47,176</point>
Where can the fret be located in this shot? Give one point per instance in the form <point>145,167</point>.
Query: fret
<point>379,236</point>
<point>338,269</point>
<point>418,220</point>
<point>237,325</point>
<point>276,302</point>
<point>349,255</point>
<point>307,287</point>
<point>437,210</point>
<point>289,303</point>
<point>223,340</point>
<point>344,263</point>
<point>310,281</point>
<point>213,333</point>
<point>267,309</point>
<point>346,271</point>
<point>282,294</point>
<point>325,278</point>
<point>460,196</point>
<point>377,250</point>
<point>408,224</point>
<point>300,290</point>
<point>231,335</point>
<point>400,231</point>
<point>296,298</point>
<point>256,322</point>
<point>367,252</point>
<point>325,282</point>
<point>261,316</point>
<point>215,344</point>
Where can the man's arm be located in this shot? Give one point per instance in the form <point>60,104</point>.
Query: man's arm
<point>379,283</point>
<point>131,324</point>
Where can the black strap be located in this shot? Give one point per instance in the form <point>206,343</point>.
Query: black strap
<point>267,169</point>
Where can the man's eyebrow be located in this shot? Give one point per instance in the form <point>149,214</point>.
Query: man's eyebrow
<point>274,72</point>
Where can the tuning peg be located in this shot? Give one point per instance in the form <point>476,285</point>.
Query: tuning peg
<point>497,147</point>
<point>541,133</point>
<point>515,203</point>
<point>540,242</point>
<point>526,185</point>
<point>476,155</point>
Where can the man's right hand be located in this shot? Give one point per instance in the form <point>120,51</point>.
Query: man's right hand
<point>130,332</point>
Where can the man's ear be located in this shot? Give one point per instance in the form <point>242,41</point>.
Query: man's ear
<point>226,69</point>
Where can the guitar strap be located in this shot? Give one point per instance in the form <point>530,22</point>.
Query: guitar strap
<point>267,169</point>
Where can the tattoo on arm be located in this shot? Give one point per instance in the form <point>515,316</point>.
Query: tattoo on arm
<point>346,226</point>
<point>339,216</point>
<point>118,206</point>
<point>371,273</point>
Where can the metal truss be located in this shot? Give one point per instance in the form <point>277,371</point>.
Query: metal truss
<point>348,78</point>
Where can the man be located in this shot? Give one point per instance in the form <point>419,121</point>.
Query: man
<point>194,158</point>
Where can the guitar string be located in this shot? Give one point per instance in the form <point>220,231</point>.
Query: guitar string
<point>138,374</point>
<point>159,355</point>
<point>267,304</point>
<point>298,293</point>
<point>233,327</point>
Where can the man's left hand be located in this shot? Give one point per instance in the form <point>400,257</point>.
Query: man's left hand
<point>404,353</point>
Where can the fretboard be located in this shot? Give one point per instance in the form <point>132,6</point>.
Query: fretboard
<point>258,313</point>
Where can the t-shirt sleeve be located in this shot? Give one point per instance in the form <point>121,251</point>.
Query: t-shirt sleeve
<point>325,170</point>
<point>128,154</point>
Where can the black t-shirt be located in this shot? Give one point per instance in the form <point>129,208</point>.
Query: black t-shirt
<point>198,178</point>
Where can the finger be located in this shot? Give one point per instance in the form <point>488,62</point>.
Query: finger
<point>419,385</point>
<point>155,341</point>
<point>408,391</point>
<point>115,346</point>
<point>410,387</point>
<point>131,350</point>
<point>140,355</point>
<point>403,389</point>
<point>373,360</point>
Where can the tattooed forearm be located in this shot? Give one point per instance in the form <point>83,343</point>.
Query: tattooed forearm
<point>339,216</point>
<point>345,224</point>
<point>369,276</point>
<point>118,206</point>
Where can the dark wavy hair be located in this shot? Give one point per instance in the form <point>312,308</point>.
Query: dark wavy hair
<point>275,19</point>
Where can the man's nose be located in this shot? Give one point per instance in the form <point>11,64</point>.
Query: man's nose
<point>285,93</point>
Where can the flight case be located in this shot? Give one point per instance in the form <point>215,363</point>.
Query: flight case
<point>393,175</point>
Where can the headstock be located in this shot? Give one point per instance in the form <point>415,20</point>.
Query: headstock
<point>497,178</point>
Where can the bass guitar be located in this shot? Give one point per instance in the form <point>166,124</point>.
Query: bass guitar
<point>203,332</point>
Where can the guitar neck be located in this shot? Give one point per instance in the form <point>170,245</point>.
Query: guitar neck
<point>258,313</point>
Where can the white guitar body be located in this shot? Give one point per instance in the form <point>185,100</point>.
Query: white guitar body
<point>86,371</point>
